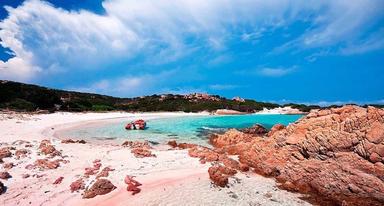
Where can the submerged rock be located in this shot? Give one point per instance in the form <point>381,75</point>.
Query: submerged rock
<point>256,129</point>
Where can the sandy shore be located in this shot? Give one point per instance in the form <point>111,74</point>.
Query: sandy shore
<point>171,178</point>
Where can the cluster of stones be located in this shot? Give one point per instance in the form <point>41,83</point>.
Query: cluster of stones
<point>139,149</point>
<point>51,159</point>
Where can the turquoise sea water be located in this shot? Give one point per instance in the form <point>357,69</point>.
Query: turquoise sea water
<point>194,129</point>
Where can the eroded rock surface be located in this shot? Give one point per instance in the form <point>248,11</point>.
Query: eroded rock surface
<point>336,155</point>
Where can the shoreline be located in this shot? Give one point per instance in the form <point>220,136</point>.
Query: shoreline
<point>62,128</point>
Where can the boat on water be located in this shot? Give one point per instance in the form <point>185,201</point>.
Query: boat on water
<point>136,125</point>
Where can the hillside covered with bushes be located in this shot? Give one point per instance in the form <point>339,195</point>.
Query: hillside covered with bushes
<point>26,97</point>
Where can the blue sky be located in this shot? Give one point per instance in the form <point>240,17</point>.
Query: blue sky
<point>278,50</point>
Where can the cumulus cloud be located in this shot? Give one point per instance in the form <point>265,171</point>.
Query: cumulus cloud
<point>45,39</point>
<point>17,69</point>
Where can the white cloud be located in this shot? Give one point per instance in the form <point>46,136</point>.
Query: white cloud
<point>17,69</point>
<point>49,39</point>
<point>275,72</point>
<point>224,86</point>
<point>374,42</point>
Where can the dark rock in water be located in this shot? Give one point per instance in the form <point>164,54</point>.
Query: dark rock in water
<point>205,133</point>
<point>256,129</point>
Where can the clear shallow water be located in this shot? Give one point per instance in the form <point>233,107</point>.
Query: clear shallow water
<point>194,129</point>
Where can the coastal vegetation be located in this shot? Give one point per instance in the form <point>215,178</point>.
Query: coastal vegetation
<point>26,97</point>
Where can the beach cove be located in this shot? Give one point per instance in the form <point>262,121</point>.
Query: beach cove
<point>171,174</point>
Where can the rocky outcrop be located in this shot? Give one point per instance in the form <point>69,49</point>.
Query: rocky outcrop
<point>336,155</point>
<point>220,174</point>
<point>100,187</point>
<point>48,149</point>
<point>275,128</point>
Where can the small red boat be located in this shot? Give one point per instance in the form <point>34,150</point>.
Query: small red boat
<point>138,124</point>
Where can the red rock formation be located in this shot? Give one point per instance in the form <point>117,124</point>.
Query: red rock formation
<point>204,153</point>
<point>336,155</point>
<point>220,174</point>
<point>137,144</point>
<point>58,180</point>
<point>94,169</point>
<point>21,153</point>
<point>77,185</point>
<point>5,175</point>
<point>232,142</point>
<point>46,164</point>
<point>5,152</point>
<point>172,143</point>
<point>275,128</point>
<point>104,172</point>
<point>100,187</point>
<point>48,149</point>
<point>133,185</point>
<point>142,152</point>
